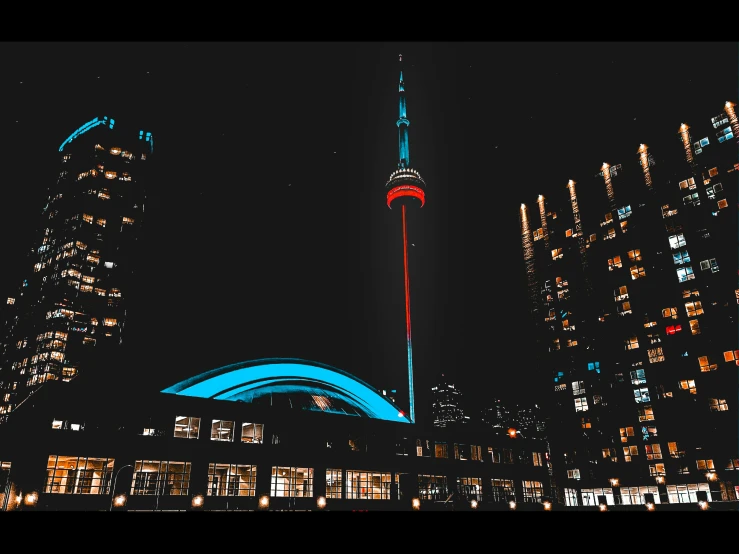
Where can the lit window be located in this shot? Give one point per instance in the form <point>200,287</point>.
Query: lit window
<point>638,377</point>
<point>688,184</point>
<point>685,274</point>
<point>688,385</point>
<point>630,451</point>
<point>128,220</point>
<point>110,174</point>
<point>621,293</point>
<point>624,212</point>
<point>221,430</point>
<point>681,256</point>
<point>610,234</point>
<point>637,272</point>
<point>441,450</point>
<point>655,355</point>
<point>710,264</point>
<point>641,395</point>
<point>653,451</point>
<point>581,404</point>
<point>252,433</point>
<point>704,465</point>
<point>578,387</point>
<point>432,487</point>
<point>692,199</point>
<point>693,308</point>
<point>571,343</point>
<point>677,241</point>
<point>614,263</point>
<point>73,475</point>
<point>115,151</point>
<point>713,172</point>
<point>667,212</point>
<point>110,322</point>
<point>573,474</point>
<point>718,404</point>
<point>632,343</point>
<point>723,203</point>
<point>695,328</point>
<point>706,365</point>
<point>100,221</point>
<point>731,355</point>
<point>635,255</point>
<point>674,451</point>
<point>533,491</point>
<point>556,254</point>
<point>87,218</point>
<point>158,478</point>
<point>334,483</point>
<point>538,234</point>
<point>187,427</point>
<point>368,485</point>
<point>539,459</point>
<point>687,293</point>
<point>231,480</point>
<point>568,233</point>
<point>646,413</point>
<point>585,423</point>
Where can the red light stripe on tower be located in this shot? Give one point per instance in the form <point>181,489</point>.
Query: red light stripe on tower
<point>408,321</point>
<point>406,190</point>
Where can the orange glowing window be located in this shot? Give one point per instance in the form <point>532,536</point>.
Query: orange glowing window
<point>713,172</point>
<point>731,355</point>
<point>705,364</point>
<point>722,203</point>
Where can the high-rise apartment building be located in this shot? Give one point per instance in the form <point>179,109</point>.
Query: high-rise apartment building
<point>446,405</point>
<point>70,305</point>
<point>634,295</point>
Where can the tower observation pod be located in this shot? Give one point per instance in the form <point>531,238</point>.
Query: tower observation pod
<point>405,190</point>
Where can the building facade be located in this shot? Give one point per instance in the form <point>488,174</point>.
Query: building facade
<point>634,297</point>
<point>446,404</point>
<point>69,311</point>
<point>296,449</point>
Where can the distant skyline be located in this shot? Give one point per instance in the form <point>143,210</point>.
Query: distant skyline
<point>266,231</point>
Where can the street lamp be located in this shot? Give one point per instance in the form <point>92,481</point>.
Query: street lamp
<point>416,504</point>
<point>31,498</point>
<point>321,502</point>
<point>660,479</point>
<point>603,507</point>
<point>118,501</point>
<point>703,505</point>
<point>473,504</point>
<point>512,504</point>
<point>547,505</point>
<point>197,501</point>
<point>650,506</point>
<point>263,502</point>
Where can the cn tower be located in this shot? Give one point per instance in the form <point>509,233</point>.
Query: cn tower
<point>405,189</point>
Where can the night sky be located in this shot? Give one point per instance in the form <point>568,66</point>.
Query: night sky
<point>266,231</point>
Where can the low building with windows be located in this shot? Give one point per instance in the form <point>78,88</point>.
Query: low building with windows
<point>270,434</point>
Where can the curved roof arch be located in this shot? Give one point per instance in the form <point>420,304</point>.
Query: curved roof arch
<point>246,381</point>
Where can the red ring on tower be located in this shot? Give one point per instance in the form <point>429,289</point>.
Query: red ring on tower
<point>406,190</point>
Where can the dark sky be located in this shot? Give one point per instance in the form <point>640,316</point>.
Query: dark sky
<point>266,229</point>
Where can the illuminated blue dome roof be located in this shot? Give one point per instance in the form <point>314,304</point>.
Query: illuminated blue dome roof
<point>297,383</point>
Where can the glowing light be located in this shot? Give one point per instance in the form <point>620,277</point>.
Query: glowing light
<point>512,433</point>
<point>264,502</point>
<point>685,135</point>
<point>86,127</point>
<point>703,505</point>
<point>644,162</point>
<point>547,505</point>
<point>416,503</point>
<point>31,499</point>
<point>401,414</point>
<point>528,257</point>
<point>512,504</point>
<point>650,506</point>
<point>473,504</point>
<point>321,502</point>
<point>660,479</point>
<point>119,501</point>
<point>729,109</point>
<point>603,508</point>
<point>609,185</point>
<point>614,482</point>
<point>251,379</point>
<point>711,476</point>
<point>411,396</point>
<point>543,217</point>
<point>406,190</point>
<point>197,501</point>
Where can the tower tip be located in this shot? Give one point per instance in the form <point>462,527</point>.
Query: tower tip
<point>400,57</point>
